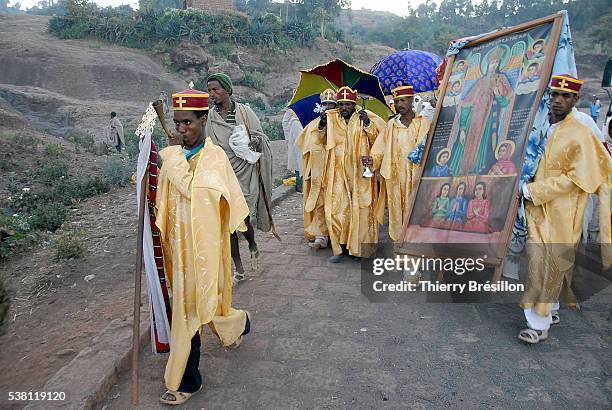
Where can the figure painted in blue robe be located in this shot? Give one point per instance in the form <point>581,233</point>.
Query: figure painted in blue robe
<point>458,206</point>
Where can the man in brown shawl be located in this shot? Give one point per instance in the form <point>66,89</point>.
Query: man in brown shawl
<point>114,133</point>
<point>255,177</point>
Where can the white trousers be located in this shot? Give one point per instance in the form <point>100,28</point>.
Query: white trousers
<point>537,322</point>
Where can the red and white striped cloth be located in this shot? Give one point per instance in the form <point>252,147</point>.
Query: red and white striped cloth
<point>159,302</point>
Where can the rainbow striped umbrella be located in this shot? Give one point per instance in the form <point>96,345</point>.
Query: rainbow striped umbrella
<point>306,102</point>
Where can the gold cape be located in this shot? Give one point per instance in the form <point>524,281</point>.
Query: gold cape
<point>313,151</point>
<point>390,154</point>
<point>574,165</point>
<point>199,203</point>
<point>349,197</point>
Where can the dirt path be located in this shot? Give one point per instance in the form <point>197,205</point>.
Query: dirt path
<point>318,342</point>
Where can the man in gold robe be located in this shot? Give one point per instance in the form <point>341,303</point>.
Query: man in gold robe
<point>400,137</point>
<point>349,195</point>
<point>574,164</point>
<point>313,151</point>
<point>199,203</point>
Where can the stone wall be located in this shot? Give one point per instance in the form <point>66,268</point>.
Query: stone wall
<point>214,5</point>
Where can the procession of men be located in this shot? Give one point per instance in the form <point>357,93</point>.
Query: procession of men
<point>359,170</point>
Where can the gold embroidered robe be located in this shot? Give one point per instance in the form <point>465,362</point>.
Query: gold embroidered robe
<point>313,151</point>
<point>574,165</point>
<point>398,174</point>
<point>199,203</point>
<point>349,197</point>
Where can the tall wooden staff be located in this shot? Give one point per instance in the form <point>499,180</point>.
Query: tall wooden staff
<point>147,124</point>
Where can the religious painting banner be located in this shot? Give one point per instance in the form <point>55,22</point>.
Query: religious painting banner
<point>473,158</point>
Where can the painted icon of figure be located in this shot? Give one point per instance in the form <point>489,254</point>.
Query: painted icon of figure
<point>453,97</point>
<point>457,206</point>
<point>531,73</point>
<point>441,168</point>
<point>459,68</point>
<point>473,146</point>
<point>478,210</point>
<point>504,165</point>
<point>537,49</point>
<point>440,206</point>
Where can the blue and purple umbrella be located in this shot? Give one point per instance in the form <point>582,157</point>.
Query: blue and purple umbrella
<point>408,67</point>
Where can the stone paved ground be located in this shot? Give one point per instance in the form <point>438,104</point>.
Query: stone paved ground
<point>316,342</point>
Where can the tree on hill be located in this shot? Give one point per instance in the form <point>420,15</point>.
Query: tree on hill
<point>430,25</point>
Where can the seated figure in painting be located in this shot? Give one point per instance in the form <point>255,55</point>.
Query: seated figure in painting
<point>478,211</point>
<point>457,207</point>
<point>440,207</point>
<point>441,168</point>
<point>504,165</point>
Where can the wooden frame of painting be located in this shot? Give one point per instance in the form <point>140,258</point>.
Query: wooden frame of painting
<point>468,183</point>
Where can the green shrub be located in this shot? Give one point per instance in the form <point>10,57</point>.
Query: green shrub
<point>117,171</point>
<point>274,130</point>
<point>220,50</point>
<point>49,172</point>
<point>89,144</point>
<point>72,190</point>
<point>257,104</point>
<point>95,186</point>
<point>69,28</point>
<point>12,185</point>
<point>68,246</point>
<point>142,28</point>
<point>254,80</point>
<point>55,151</point>
<point>48,216</point>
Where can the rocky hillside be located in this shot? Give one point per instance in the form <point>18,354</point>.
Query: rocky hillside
<point>63,86</point>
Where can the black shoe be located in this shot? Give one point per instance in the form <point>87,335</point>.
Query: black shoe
<point>336,258</point>
<point>247,325</point>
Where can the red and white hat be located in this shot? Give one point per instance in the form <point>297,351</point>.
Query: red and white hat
<point>565,82</point>
<point>403,91</point>
<point>190,100</point>
<point>346,94</point>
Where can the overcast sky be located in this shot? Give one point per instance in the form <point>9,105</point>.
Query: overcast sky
<point>395,6</point>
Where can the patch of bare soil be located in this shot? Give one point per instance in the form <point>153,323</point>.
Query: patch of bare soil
<point>55,311</point>
<point>57,307</point>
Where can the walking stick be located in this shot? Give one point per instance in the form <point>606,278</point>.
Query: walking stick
<point>137,294</point>
<point>147,123</point>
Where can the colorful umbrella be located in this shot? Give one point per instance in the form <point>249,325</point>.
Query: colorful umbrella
<point>408,67</point>
<point>306,102</point>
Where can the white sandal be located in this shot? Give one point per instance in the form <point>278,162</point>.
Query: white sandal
<point>533,336</point>
<point>178,396</point>
<point>237,278</point>
<point>555,318</point>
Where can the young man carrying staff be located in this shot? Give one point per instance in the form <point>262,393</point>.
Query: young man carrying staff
<point>199,203</point>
